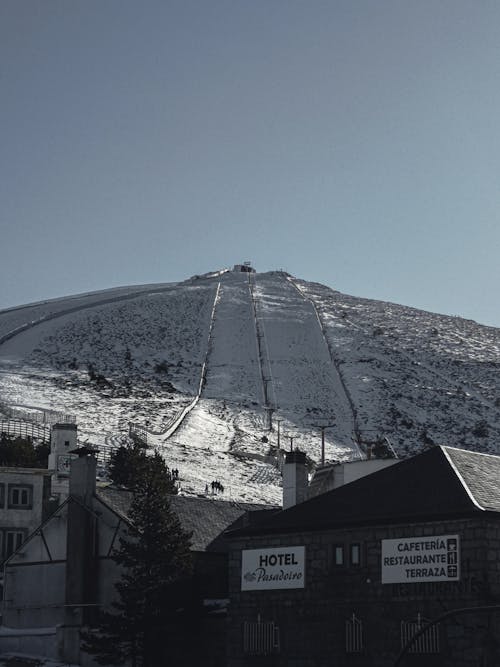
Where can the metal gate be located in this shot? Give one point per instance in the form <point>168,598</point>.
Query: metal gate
<point>260,637</point>
<point>428,642</point>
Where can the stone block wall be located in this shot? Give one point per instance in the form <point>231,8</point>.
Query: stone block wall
<point>312,620</point>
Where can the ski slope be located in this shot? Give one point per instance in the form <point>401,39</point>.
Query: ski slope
<point>230,357</point>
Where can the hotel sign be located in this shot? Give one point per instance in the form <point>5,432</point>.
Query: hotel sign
<point>265,569</point>
<point>413,559</point>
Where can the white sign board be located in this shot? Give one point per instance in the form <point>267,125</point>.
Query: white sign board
<point>64,464</point>
<point>412,559</point>
<point>264,569</point>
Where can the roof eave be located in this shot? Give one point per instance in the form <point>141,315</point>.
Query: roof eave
<point>255,531</point>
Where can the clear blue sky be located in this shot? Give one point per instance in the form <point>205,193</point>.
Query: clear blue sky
<point>355,143</point>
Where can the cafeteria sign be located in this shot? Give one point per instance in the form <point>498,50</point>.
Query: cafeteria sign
<point>415,559</point>
<point>265,569</point>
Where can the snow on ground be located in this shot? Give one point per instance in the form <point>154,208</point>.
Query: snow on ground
<point>414,376</point>
<point>321,357</point>
<point>12,319</point>
<point>305,384</point>
<point>305,388</point>
<point>233,368</point>
<point>112,364</point>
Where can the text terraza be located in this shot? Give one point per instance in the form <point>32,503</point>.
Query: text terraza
<point>425,572</point>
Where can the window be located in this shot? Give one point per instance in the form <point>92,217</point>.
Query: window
<point>338,554</point>
<point>2,495</point>
<point>13,540</point>
<point>427,642</point>
<point>20,496</point>
<point>261,637</point>
<point>355,554</point>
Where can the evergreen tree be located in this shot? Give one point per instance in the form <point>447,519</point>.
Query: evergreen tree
<point>155,558</point>
<point>129,463</point>
<point>21,452</point>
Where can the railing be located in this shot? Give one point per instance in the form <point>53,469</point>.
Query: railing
<point>261,637</point>
<point>354,635</point>
<point>24,429</point>
<point>138,433</point>
<point>427,642</point>
<point>47,417</point>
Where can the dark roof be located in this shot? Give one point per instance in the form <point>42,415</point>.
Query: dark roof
<point>206,519</point>
<point>85,450</point>
<point>480,474</point>
<point>116,498</point>
<point>442,482</point>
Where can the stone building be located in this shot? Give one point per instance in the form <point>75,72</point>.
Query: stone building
<point>351,576</point>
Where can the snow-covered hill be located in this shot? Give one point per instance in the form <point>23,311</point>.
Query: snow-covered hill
<point>238,354</point>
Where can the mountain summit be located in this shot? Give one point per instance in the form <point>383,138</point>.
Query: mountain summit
<point>217,371</point>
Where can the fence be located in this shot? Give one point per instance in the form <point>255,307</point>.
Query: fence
<point>41,416</point>
<point>427,642</point>
<point>260,637</point>
<point>138,433</point>
<point>353,635</point>
<point>24,429</point>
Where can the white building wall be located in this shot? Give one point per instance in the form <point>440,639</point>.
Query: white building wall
<point>21,519</point>
<point>353,470</point>
<point>35,576</point>
<point>63,439</point>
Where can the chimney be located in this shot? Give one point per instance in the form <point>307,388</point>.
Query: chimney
<point>295,480</point>
<point>83,475</point>
<point>81,547</point>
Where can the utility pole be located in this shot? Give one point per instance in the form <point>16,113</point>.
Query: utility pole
<point>265,381</point>
<point>278,421</point>
<point>269,410</point>
<point>323,428</point>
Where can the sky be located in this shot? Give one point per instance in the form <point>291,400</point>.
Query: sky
<point>355,143</point>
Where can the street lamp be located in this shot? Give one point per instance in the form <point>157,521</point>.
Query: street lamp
<point>323,427</point>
